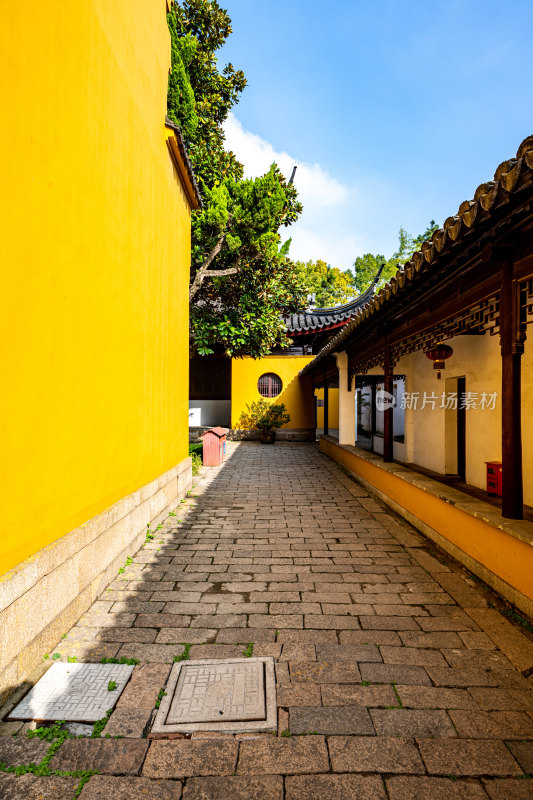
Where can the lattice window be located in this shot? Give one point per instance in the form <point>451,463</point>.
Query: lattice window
<point>269,385</point>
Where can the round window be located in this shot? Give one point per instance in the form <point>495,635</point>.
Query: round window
<point>269,385</point>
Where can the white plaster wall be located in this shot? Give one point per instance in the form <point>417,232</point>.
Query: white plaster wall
<point>527,417</point>
<point>209,412</point>
<point>477,358</point>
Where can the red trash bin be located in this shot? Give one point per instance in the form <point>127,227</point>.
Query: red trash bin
<point>214,446</point>
<point>494,477</point>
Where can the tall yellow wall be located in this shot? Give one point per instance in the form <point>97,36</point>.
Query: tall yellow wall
<point>95,259</point>
<point>298,398</point>
<point>333,409</point>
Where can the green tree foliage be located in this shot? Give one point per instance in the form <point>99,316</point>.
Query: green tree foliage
<point>366,266</point>
<point>330,285</point>
<point>241,278</point>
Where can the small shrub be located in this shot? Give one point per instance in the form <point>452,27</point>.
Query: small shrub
<point>196,463</point>
<point>264,416</point>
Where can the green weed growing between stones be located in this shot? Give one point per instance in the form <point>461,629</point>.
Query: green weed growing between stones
<point>56,735</point>
<point>248,651</point>
<point>129,561</point>
<point>149,534</point>
<point>100,724</point>
<point>185,655</point>
<point>400,704</point>
<point>160,696</point>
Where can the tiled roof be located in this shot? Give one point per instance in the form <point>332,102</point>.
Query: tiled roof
<point>319,319</point>
<point>491,199</point>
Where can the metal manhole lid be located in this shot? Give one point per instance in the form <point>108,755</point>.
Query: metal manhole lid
<point>73,692</point>
<point>236,694</point>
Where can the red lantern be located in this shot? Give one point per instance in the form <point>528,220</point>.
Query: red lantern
<point>438,355</point>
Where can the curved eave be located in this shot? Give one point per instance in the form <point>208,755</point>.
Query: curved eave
<point>322,319</point>
<point>491,199</point>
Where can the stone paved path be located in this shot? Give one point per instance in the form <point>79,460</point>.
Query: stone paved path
<point>396,678</point>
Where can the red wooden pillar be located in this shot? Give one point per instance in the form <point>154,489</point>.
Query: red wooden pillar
<point>512,347</point>
<point>388,432</point>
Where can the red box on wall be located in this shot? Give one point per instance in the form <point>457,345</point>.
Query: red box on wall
<point>214,446</point>
<point>494,477</point>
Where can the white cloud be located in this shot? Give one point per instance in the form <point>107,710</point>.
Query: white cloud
<point>339,221</point>
<point>337,249</point>
<point>315,186</point>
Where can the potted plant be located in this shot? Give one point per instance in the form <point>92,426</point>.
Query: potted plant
<point>264,417</point>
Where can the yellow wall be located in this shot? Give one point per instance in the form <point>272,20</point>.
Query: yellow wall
<point>95,260</point>
<point>504,555</point>
<point>333,409</point>
<point>298,397</point>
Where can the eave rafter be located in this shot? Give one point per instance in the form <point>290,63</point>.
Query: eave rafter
<point>451,286</point>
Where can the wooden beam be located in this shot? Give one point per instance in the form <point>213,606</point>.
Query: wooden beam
<point>512,347</point>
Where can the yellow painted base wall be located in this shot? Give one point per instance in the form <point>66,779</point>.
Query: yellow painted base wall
<point>297,396</point>
<point>95,259</point>
<point>333,409</point>
<point>502,554</point>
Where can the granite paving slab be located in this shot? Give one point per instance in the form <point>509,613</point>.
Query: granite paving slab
<point>75,692</point>
<point>106,787</point>
<point>388,661</point>
<point>237,787</point>
<point>108,756</point>
<point>183,758</point>
<point>334,787</point>
<point>31,787</point>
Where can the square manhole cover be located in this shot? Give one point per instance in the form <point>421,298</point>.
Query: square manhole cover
<point>74,692</point>
<point>235,695</point>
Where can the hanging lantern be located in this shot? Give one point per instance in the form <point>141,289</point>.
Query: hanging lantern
<point>438,355</point>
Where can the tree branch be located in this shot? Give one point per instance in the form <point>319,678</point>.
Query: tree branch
<point>202,272</point>
<point>214,273</point>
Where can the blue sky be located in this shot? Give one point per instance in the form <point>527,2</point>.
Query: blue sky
<point>395,110</point>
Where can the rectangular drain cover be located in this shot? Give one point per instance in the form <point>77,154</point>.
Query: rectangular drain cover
<point>234,695</point>
<point>73,692</point>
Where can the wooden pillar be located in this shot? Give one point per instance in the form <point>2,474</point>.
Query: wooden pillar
<point>326,406</point>
<point>512,347</point>
<point>373,414</point>
<point>388,444</point>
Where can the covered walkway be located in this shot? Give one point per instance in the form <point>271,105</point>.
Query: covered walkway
<point>397,676</point>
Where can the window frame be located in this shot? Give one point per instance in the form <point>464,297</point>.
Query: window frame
<point>273,381</point>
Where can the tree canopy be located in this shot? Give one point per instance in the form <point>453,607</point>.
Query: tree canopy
<point>241,278</point>
<point>367,265</point>
<point>330,285</point>
<point>333,286</point>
